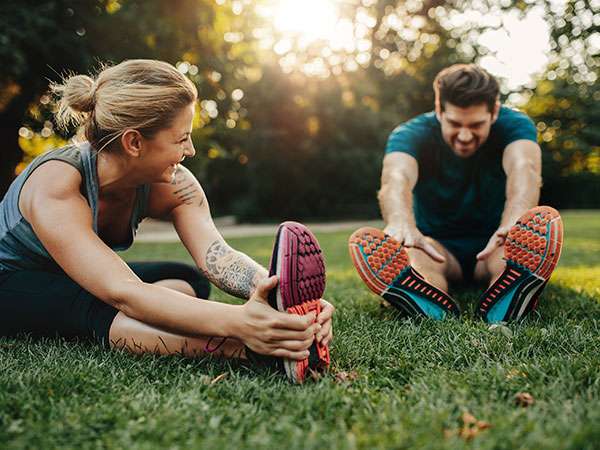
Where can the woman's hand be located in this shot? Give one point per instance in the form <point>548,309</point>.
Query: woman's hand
<point>325,319</point>
<point>275,333</point>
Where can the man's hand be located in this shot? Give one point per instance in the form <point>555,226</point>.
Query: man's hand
<point>497,240</point>
<point>411,237</point>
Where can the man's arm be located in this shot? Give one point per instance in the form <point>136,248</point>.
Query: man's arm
<point>184,202</point>
<point>522,163</point>
<point>398,179</point>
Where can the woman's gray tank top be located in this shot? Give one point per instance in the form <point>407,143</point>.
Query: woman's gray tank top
<point>20,249</point>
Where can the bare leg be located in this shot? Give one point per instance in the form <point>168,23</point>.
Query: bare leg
<point>435,272</point>
<point>137,337</point>
<point>491,268</point>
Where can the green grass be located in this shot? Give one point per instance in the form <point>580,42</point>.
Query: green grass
<point>414,379</point>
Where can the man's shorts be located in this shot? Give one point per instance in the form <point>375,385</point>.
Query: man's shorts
<point>52,304</point>
<point>465,249</point>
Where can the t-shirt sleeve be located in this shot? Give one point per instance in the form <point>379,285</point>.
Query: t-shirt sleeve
<point>514,125</point>
<point>408,137</point>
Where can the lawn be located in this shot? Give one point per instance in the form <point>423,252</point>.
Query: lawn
<point>393,384</point>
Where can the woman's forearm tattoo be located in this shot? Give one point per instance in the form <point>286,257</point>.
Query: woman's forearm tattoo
<point>232,271</point>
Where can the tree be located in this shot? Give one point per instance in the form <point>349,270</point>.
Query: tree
<point>42,40</point>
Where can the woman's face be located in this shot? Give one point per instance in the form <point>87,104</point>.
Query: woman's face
<point>169,147</point>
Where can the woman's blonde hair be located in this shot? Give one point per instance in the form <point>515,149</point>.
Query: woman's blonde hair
<point>142,94</point>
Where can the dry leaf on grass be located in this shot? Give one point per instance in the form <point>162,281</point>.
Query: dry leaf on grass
<point>470,428</point>
<point>468,418</point>
<point>524,399</point>
<point>343,377</point>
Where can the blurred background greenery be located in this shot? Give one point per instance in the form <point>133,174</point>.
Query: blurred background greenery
<point>297,97</point>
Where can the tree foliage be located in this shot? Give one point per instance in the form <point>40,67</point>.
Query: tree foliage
<point>289,128</point>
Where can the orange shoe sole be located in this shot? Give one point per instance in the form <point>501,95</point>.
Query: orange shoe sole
<point>383,264</point>
<point>532,251</point>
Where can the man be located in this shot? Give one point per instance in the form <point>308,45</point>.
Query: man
<point>457,190</point>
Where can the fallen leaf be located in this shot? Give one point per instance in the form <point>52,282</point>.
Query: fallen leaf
<point>470,428</point>
<point>468,433</point>
<point>219,378</point>
<point>524,399</point>
<point>342,377</point>
<point>482,425</point>
<point>468,418</point>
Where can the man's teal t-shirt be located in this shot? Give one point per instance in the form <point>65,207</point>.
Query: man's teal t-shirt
<point>459,197</point>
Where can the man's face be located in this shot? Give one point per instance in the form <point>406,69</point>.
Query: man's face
<point>466,129</point>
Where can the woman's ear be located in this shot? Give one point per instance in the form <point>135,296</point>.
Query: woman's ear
<point>131,142</point>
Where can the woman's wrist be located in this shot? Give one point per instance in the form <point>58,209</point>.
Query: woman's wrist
<point>233,321</point>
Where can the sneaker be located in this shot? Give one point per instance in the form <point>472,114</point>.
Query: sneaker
<point>384,266</point>
<point>531,251</point>
<point>298,261</point>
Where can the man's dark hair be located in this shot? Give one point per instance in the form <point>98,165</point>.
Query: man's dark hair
<point>465,85</point>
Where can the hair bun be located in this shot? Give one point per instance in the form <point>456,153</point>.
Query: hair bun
<point>79,93</point>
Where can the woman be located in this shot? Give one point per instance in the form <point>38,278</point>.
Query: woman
<point>66,214</point>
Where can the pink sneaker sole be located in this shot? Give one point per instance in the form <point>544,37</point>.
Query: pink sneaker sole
<point>298,261</point>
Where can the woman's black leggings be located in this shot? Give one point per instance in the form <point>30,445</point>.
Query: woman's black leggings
<point>52,304</point>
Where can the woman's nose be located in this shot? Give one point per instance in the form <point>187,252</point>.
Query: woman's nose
<point>189,150</point>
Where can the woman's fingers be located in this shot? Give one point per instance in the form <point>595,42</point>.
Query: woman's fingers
<point>294,321</point>
<point>283,334</point>
<point>289,354</point>
<point>325,319</point>
<point>325,334</point>
<point>264,287</point>
<point>327,310</point>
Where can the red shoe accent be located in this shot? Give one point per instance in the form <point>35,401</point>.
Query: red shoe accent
<point>322,350</point>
